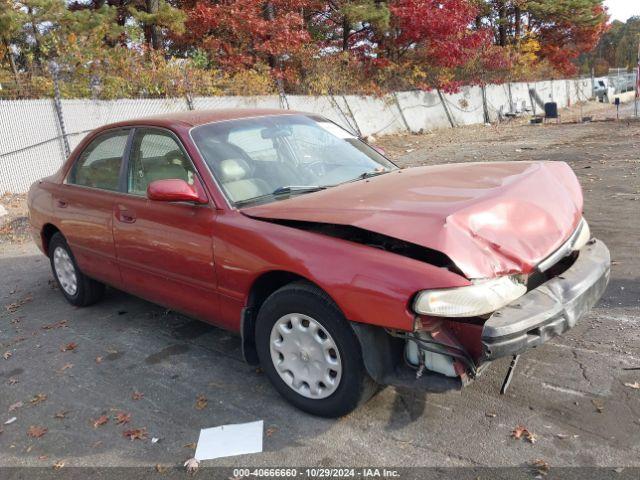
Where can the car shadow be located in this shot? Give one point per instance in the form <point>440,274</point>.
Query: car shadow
<point>622,292</point>
<point>97,360</point>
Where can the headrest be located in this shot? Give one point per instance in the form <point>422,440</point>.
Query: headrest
<point>173,155</point>
<point>233,169</point>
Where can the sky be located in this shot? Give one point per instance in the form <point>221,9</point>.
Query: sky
<point>623,9</point>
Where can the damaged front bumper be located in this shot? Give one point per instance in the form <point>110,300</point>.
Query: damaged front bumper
<point>539,315</point>
<point>551,309</point>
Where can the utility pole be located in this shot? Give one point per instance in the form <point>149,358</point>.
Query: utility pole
<point>637,82</point>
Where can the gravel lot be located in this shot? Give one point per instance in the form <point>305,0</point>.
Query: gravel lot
<point>573,394</point>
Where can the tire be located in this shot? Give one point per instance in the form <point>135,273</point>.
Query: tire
<point>284,314</point>
<point>65,269</point>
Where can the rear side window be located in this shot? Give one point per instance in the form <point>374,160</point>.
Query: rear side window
<point>99,164</point>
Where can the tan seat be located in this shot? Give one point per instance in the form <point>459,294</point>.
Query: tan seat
<point>233,173</point>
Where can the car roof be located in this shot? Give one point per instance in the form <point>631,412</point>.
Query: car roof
<point>194,118</point>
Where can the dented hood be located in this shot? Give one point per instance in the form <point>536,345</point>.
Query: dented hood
<point>489,218</point>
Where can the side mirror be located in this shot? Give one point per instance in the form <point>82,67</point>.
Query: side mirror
<point>175,190</point>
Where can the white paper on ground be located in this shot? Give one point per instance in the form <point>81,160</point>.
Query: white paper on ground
<point>229,440</point>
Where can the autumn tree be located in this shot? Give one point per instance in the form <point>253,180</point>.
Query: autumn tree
<point>242,33</point>
<point>558,31</point>
<point>11,33</point>
<point>618,47</point>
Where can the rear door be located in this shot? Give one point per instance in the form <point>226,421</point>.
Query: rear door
<point>165,249</point>
<point>84,204</point>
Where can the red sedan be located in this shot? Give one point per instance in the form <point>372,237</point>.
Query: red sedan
<point>340,271</point>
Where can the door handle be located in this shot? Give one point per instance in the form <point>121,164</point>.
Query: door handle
<point>125,216</point>
<point>61,203</point>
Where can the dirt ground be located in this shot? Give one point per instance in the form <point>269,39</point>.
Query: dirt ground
<point>72,371</point>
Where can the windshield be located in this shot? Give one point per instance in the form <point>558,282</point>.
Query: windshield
<point>266,158</point>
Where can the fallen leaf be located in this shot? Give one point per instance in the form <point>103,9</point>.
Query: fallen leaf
<point>98,359</point>
<point>11,420</point>
<point>7,355</point>
<point>518,432</point>
<point>635,385</point>
<point>201,402</point>
<point>36,431</point>
<point>51,326</point>
<point>599,405</point>
<point>68,347</point>
<point>15,306</point>
<point>122,418</point>
<point>136,434</point>
<point>58,465</point>
<point>66,366</point>
<point>191,465</point>
<point>190,445</point>
<point>137,395</point>
<point>161,468</point>
<point>522,432</point>
<point>541,466</point>
<point>15,406</point>
<point>100,421</point>
<point>61,414</point>
<point>38,399</point>
<point>270,431</point>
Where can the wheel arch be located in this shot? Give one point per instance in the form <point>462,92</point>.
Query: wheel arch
<point>263,286</point>
<point>379,350</point>
<point>47,232</point>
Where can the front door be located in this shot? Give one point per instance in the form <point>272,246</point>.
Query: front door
<point>165,249</point>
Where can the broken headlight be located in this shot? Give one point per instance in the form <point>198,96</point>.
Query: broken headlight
<point>484,296</point>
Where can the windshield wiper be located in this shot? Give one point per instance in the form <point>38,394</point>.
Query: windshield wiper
<point>296,189</point>
<point>288,190</point>
<point>364,175</point>
<point>373,173</point>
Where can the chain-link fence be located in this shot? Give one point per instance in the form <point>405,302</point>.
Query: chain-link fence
<point>37,135</point>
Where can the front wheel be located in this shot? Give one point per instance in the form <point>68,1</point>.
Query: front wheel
<point>310,353</point>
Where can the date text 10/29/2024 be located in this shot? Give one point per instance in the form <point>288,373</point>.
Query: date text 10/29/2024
<point>316,472</point>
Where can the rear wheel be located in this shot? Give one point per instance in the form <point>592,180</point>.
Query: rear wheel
<point>76,287</point>
<point>310,353</point>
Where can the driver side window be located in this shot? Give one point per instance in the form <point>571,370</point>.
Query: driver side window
<point>156,155</point>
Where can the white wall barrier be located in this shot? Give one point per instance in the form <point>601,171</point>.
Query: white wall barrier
<point>31,146</point>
